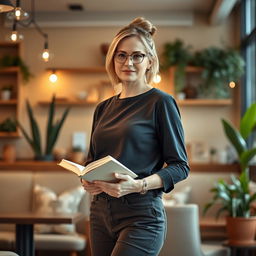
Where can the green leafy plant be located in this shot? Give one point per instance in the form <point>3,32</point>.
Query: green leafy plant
<point>8,125</point>
<point>7,87</point>
<point>221,66</point>
<point>177,54</point>
<point>10,61</point>
<point>53,130</point>
<point>236,198</point>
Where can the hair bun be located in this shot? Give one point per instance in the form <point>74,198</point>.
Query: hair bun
<point>142,24</point>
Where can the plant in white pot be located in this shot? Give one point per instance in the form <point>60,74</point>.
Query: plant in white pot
<point>235,198</point>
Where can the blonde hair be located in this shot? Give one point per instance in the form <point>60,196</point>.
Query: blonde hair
<point>144,30</point>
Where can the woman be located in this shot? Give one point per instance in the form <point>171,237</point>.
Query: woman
<point>141,128</point>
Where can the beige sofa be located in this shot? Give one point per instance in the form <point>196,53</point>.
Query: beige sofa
<point>17,195</point>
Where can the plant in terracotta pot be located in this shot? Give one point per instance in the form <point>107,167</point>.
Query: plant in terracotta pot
<point>235,198</point>
<point>53,131</point>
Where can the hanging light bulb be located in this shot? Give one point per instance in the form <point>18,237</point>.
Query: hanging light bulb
<point>14,36</point>
<point>53,77</point>
<point>46,54</point>
<point>157,79</point>
<point>18,14</point>
<point>6,6</point>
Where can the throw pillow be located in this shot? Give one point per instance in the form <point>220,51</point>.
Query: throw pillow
<point>46,201</point>
<point>177,197</point>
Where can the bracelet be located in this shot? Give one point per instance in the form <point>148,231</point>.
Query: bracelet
<point>144,187</point>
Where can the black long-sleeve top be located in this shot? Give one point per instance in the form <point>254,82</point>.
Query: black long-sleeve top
<point>142,132</point>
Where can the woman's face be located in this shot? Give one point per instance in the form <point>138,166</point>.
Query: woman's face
<point>130,60</point>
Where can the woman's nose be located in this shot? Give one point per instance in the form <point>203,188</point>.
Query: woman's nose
<point>128,61</point>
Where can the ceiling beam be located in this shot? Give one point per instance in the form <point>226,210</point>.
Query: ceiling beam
<point>221,11</point>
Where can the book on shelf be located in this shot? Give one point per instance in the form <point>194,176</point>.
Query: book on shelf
<point>102,169</point>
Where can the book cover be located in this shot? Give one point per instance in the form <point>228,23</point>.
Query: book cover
<point>102,169</point>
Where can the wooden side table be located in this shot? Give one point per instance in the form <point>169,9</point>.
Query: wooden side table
<point>242,250</point>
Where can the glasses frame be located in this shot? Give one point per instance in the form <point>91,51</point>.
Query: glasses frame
<point>130,57</point>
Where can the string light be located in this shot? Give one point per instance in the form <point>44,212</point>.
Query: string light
<point>53,77</point>
<point>20,18</point>
<point>15,36</point>
<point>232,84</point>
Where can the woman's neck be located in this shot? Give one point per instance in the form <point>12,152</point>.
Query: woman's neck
<point>133,89</point>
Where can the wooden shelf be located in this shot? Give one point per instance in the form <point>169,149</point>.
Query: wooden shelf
<point>9,70</point>
<point>68,103</point>
<point>9,44</point>
<point>30,165</point>
<point>214,167</point>
<point>10,134</point>
<point>80,70</point>
<point>205,102</point>
<point>10,76</point>
<point>52,165</point>
<point>8,102</point>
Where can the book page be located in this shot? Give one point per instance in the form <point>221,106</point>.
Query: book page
<point>74,167</point>
<point>97,163</point>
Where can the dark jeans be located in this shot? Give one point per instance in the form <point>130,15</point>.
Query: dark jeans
<point>132,225</point>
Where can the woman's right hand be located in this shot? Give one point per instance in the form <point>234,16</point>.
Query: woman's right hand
<point>91,187</point>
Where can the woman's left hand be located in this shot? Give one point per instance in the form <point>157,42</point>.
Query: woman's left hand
<point>125,186</point>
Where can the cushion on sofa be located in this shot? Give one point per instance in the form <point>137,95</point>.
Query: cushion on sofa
<point>72,242</point>
<point>47,201</point>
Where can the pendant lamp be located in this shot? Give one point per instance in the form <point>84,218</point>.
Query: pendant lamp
<point>6,6</point>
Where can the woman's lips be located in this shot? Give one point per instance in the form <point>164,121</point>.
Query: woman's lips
<point>128,71</point>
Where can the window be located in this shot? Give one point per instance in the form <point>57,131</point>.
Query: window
<point>248,39</point>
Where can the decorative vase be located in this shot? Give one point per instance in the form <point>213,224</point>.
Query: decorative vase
<point>9,153</point>
<point>6,94</point>
<point>241,231</point>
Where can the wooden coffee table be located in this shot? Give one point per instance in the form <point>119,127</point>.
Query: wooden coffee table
<point>25,227</point>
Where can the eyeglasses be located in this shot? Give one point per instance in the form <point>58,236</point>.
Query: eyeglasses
<point>135,57</point>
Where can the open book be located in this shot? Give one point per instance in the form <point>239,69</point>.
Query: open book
<point>102,169</point>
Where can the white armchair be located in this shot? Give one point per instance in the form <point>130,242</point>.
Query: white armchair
<point>183,234</point>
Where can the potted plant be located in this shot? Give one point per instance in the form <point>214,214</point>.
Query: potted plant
<point>6,92</point>
<point>53,130</point>
<point>177,54</point>
<point>8,125</point>
<point>235,198</point>
<point>220,67</point>
<point>9,61</point>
